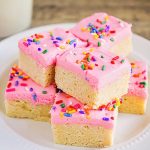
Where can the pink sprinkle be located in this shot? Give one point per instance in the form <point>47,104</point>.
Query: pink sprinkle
<point>115,58</point>
<point>23,84</point>
<point>143,71</point>
<point>25,44</point>
<point>63,110</point>
<point>11,90</point>
<point>9,85</point>
<point>77,106</point>
<point>144,78</point>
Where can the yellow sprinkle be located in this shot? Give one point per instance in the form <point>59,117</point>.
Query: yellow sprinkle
<point>24,39</point>
<point>83,29</point>
<point>96,36</point>
<point>118,104</point>
<point>92,65</point>
<point>110,108</point>
<point>103,33</point>
<point>84,53</point>
<point>106,18</point>
<point>91,49</point>
<point>62,46</point>
<point>71,111</point>
<point>68,41</point>
<point>88,117</point>
<point>61,114</point>
<point>133,66</point>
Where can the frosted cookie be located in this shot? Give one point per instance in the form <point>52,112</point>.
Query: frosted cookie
<point>136,99</point>
<point>76,124</point>
<point>25,99</point>
<point>107,32</point>
<point>38,53</point>
<point>92,76</point>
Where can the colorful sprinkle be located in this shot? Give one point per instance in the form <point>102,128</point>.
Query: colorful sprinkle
<point>105,119</point>
<point>62,105</point>
<point>103,67</point>
<point>45,51</point>
<point>99,44</point>
<point>67,115</point>
<point>59,102</point>
<point>44,92</point>
<point>10,90</point>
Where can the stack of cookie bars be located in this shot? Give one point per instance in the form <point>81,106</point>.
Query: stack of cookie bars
<point>78,79</point>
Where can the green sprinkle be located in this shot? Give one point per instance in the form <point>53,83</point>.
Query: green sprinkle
<point>44,92</point>
<point>45,51</point>
<point>101,29</point>
<point>144,83</point>
<point>99,43</point>
<point>112,39</point>
<point>83,67</point>
<point>114,106</point>
<point>34,40</point>
<point>88,59</point>
<point>122,61</point>
<point>103,22</point>
<point>103,67</point>
<point>62,105</point>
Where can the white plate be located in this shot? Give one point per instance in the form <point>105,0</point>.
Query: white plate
<point>133,131</point>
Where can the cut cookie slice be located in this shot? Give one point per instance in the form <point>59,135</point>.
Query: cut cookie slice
<point>76,124</point>
<point>25,99</point>
<point>38,53</point>
<point>93,76</point>
<point>136,99</point>
<point>107,32</point>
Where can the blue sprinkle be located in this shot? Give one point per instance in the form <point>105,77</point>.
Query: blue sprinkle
<point>38,42</point>
<point>67,114</point>
<point>81,112</point>
<point>31,89</point>
<point>72,41</point>
<point>20,77</point>
<point>59,38</point>
<point>55,42</point>
<point>105,119</point>
<point>54,108</point>
<point>34,96</point>
<point>74,45</point>
<point>39,49</point>
<point>16,83</point>
<point>29,40</point>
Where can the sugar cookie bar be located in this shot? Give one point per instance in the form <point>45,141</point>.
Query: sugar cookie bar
<point>25,99</point>
<point>105,31</point>
<point>92,76</point>
<point>38,53</point>
<point>136,99</point>
<point>76,124</point>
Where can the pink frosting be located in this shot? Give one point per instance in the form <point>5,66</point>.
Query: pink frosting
<point>110,30</point>
<point>44,47</point>
<point>21,87</point>
<point>104,67</point>
<point>139,80</point>
<point>67,109</point>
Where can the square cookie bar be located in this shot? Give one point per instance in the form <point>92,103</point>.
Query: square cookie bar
<point>92,76</point>
<point>76,124</point>
<point>38,53</point>
<point>105,31</point>
<point>25,99</point>
<point>136,99</point>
